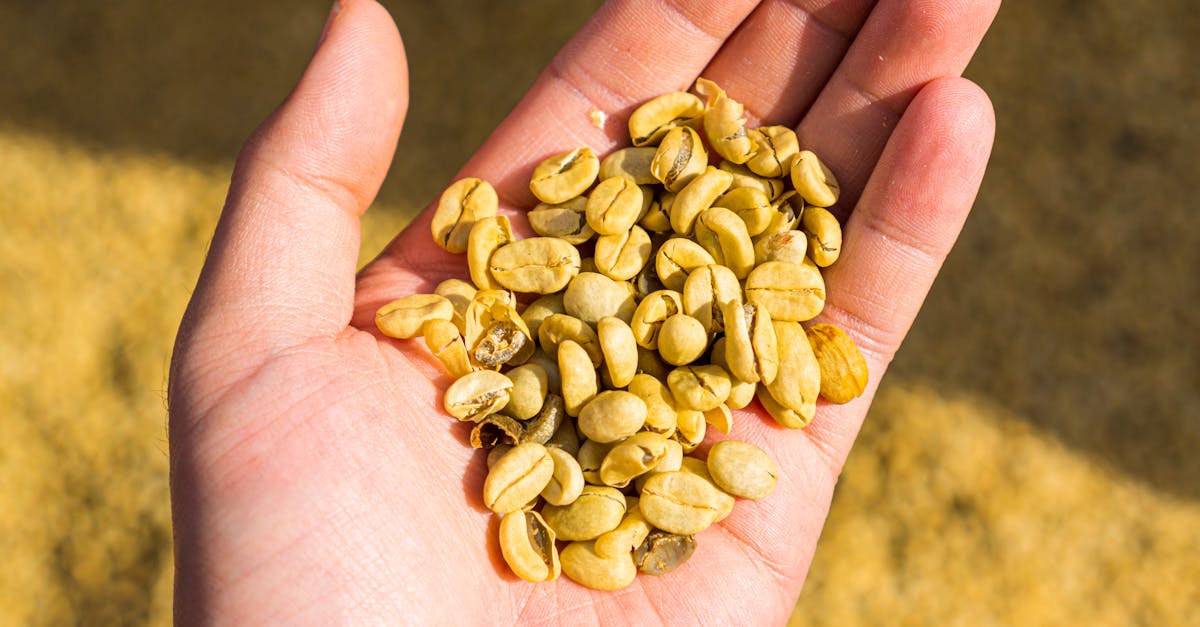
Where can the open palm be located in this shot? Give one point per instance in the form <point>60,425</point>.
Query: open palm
<point>315,478</point>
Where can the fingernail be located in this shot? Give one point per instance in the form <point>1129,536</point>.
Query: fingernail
<point>333,13</point>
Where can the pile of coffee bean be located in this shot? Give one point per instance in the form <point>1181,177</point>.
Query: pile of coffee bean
<point>670,291</point>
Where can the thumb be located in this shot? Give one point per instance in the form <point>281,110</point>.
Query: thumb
<point>281,266</point>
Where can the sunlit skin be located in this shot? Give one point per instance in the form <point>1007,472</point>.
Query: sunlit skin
<point>315,478</point>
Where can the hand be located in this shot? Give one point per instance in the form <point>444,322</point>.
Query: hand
<point>315,477</point>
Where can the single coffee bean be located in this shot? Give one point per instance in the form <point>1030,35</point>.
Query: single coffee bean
<point>621,256</point>
<point>690,427</point>
<point>751,349</point>
<point>611,416</point>
<point>824,235</point>
<point>404,317</point>
<point>649,123</point>
<point>584,566</point>
<point>776,148</point>
<point>482,312</point>
<point>597,509</point>
<point>619,348</point>
<point>530,386</point>
<point>517,478</point>
<point>750,205</point>
<point>740,392</point>
<point>698,195</point>
<point>785,416</point>
<point>542,427</point>
<point>464,202</point>
<point>799,379</point>
<point>662,552</point>
<point>566,221</point>
<point>538,265</point>
<point>790,291</point>
<point>495,430</point>
<point>720,418</point>
<point>679,159</point>
<point>658,216</point>
<point>579,383</point>
<point>477,395</point>
<point>660,404</point>
<point>592,296</point>
<point>744,178</point>
<point>681,503</point>
<point>487,236</point>
<point>527,544</point>
<point>682,340</point>
<point>636,455</point>
<point>651,313</point>
<point>540,309</point>
<point>564,176</point>
<point>843,367</point>
<point>742,469</point>
<point>677,258</point>
<point>446,344</point>
<point>630,163</point>
<point>789,246</point>
<point>504,342</point>
<point>813,180</point>
<point>699,387</point>
<point>614,206</point>
<point>566,482</point>
<point>720,232</point>
<point>459,293</point>
<point>786,211</point>
<point>706,290</point>
<point>725,123</point>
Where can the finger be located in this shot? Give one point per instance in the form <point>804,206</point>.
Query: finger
<point>903,45</point>
<point>282,261</point>
<point>781,56</point>
<point>630,51</point>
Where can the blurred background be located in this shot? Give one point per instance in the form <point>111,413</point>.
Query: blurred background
<point>1034,453</point>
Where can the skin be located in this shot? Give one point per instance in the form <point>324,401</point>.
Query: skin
<point>297,431</point>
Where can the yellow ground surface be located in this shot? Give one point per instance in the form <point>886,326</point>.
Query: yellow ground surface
<point>1032,457</point>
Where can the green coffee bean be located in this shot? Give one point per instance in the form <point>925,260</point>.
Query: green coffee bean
<point>720,418</point>
<point>517,478</point>
<point>630,163</point>
<point>658,216</point>
<point>403,317</point>
<point>799,379</point>
<point>487,236</point>
<point>662,552</point>
<point>611,416</point>
<point>682,340</point>
<point>650,122</point>
<point>725,123</point>
<point>592,296</point>
<point>584,566</point>
<point>690,427</point>
<point>750,347</point>
<point>477,395</point>
<point>698,195</point>
<point>621,256</point>
<point>496,429</point>
<point>813,180</point>
<point>614,206</point>
<point>790,291</point>
<point>597,509</point>
<point>789,246</point>
<point>677,258</point>
<point>750,205</point>
<point>461,205</point>
<point>542,308</point>
<point>566,221</point>
<point>564,176</point>
<point>720,232</point>
<point>579,384</point>
<point>776,148</point>
<point>538,265</point>
<point>681,503</point>
<point>679,159</point>
<point>742,469</point>
<point>824,235</point>
<point>505,341</point>
<point>785,416</point>
<point>699,387</point>
<point>636,455</point>
<point>619,348</point>
<point>527,544</point>
<point>446,344</point>
<point>843,368</point>
<point>558,328</point>
<point>704,292</point>
<point>548,421</point>
<point>459,293</point>
<point>566,482</point>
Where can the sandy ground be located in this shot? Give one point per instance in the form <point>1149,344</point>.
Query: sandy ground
<point>1032,456</point>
